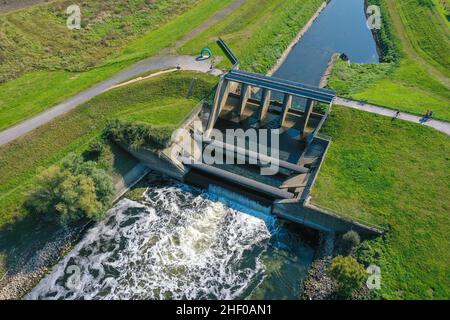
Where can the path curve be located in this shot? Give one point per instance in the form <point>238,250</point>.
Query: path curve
<point>442,126</point>
<point>147,65</point>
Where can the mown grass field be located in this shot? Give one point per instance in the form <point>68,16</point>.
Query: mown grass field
<point>159,101</point>
<point>394,174</point>
<point>45,63</point>
<point>258,33</point>
<point>419,80</point>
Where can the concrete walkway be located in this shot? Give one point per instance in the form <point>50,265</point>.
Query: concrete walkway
<point>442,126</point>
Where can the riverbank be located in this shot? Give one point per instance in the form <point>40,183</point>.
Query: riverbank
<point>297,38</point>
<point>21,238</point>
<point>327,74</point>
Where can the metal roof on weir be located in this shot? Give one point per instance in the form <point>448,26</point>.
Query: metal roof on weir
<point>281,85</point>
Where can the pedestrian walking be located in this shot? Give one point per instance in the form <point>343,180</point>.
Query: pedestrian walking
<point>397,114</point>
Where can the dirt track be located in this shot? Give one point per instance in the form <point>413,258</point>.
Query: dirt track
<point>10,5</point>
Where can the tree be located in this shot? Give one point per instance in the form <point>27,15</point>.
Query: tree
<point>350,240</point>
<point>75,190</point>
<point>348,273</point>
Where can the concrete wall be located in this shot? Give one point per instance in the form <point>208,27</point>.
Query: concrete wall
<point>157,162</point>
<point>319,219</point>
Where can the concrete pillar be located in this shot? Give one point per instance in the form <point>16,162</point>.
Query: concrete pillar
<point>265,103</point>
<point>306,115</point>
<point>234,87</point>
<point>246,91</point>
<point>220,99</point>
<point>287,103</point>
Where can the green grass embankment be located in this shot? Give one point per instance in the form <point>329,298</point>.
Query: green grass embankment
<point>44,63</point>
<point>158,101</point>
<point>394,174</point>
<point>258,33</point>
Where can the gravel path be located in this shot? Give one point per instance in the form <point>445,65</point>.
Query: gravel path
<point>442,126</point>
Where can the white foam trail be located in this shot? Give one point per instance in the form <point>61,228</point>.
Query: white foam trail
<point>244,204</point>
<point>179,245</point>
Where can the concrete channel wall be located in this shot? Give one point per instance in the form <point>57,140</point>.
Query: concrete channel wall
<point>158,162</point>
<point>319,219</point>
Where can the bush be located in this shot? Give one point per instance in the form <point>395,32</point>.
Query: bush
<point>350,241</point>
<point>348,273</point>
<point>75,190</point>
<point>95,150</point>
<point>137,135</point>
<point>385,39</point>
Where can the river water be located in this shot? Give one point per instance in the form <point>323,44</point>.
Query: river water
<point>340,28</point>
<point>184,243</point>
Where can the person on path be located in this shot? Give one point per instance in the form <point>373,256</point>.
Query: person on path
<point>425,117</point>
<point>397,114</point>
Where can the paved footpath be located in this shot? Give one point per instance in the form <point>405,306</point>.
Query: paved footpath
<point>442,126</point>
<point>147,65</point>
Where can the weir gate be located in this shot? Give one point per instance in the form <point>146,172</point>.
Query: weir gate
<point>289,115</point>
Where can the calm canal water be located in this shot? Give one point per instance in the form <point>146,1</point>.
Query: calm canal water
<point>340,28</point>
<point>183,243</point>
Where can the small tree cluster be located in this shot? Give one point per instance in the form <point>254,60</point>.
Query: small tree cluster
<point>348,273</point>
<point>137,135</point>
<point>74,190</point>
<point>350,241</point>
<point>95,149</point>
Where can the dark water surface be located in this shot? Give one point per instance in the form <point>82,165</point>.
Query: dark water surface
<point>340,28</point>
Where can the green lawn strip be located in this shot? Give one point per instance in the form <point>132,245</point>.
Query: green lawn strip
<point>37,38</point>
<point>36,91</point>
<point>393,174</point>
<point>406,88</point>
<point>22,160</point>
<point>258,33</point>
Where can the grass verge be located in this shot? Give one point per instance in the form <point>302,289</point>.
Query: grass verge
<point>258,33</point>
<point>60,76</point>
<point>393,173</point>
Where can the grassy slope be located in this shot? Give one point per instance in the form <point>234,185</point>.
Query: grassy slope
<point>16,173</point>
<point>51,82</point>
<point>419,81</point>
<point>160,101</point>
<point>394,174</point>
<point>258,33</point>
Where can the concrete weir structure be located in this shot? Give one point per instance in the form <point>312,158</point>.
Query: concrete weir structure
<point>250,102</point>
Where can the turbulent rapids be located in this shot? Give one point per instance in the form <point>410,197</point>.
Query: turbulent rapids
<point>181,243</point>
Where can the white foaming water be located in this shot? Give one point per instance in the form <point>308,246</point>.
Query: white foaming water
<point>180,244</point>
<point>244,204</point>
